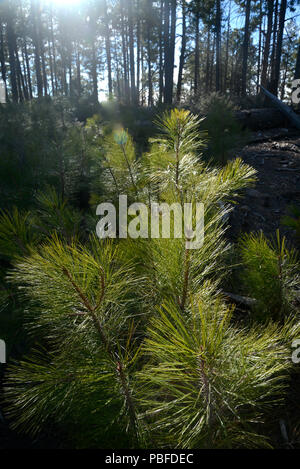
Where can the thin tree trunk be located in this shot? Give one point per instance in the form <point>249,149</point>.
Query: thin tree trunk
<point>170,58</point>
<point>28,71</point>
<point>259,47</point>
<point>39,79</point>
<point>138,64</point>
<point>207,74</point>
<point>182,52</point>
<point>266,54</point>
<point>131,52</point>
<point>196,70</point>
<point>126,84</point>
<point>2,57</point>
<point>11,53</point>
<point>246,48</point>
<point>227,49</point>
<point>297,69</point>
<point>218,45</point>
<point>282,14</point>
<point>108,51</point>
<point>166,43</point>
<point>161,66</point>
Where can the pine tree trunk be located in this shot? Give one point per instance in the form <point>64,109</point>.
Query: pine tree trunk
<point>11,53</point>
<point>28,70</point>
<point>39,79</point>
<point>150,85</point>
<point>275,81</point>
<point>297,68</point>
<point>266,53</point>
<point>245,48</point>
<point>259,46</point>
<point>108,51</point>
<point>170,57</point>
<point>2,56</point>
<point>196,70</point>
<point>166,43</point>
<point>182,52</point>
<point>126,84</point>
<point>218,46</point>
<point>161,66</point>
<point>138,60</point>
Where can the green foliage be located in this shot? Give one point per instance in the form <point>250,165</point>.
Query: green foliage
<point>207,382</point>
<point>132,337</point>
<point>16,233</point>
<point>293,220</point>
<point>224,131</point>
<point>270,275</point>
<point>80,305</point>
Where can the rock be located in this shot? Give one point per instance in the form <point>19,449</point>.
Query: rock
<point>253,193</point>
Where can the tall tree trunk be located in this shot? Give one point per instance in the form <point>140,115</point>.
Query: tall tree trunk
<point>259,46</point>
<point>94,73</point>
<point>108,51</point>
<point>274,45</point>
<point>218,45</point>
<point>42,51</point>
<point>131,52</point>
<point>207,73</point>
<point>297,69</point>
<point>197,61</point>
<point>282,14</point>
<point>28,70</point>
<point>166,43</point>
<point>2,57</point>
<point>227,49</point>
<point>78,71</point>
<point>246,48</point>
<point>161,65</point>
<point>138,63</point>
<point>51,69</point>
<point>264,72</point>
<point>22,86</point>
<point>124,50</point>
<point>182,52</point>
<point>35,39</point>
<point>11,42</point>
<point>150,85</point>
<point>170,58</point>
<point>53,52</point>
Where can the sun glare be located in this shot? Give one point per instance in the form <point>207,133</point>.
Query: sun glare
<point>67,3</point>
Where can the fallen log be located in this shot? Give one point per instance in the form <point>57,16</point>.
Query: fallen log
<point>286,110</point>
<point>260,119</point>
<point>244,300</point>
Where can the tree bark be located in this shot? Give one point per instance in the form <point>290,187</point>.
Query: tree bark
<point>218,45</point>
<point>266,53</point>
<point>182,52</point>
<point>39,79</point>
<point>245,48</point>
<point>108,51</point>
<point>11,41</point>
<point>297,69</point>
<point>275,81</point>
<point>197,65</point>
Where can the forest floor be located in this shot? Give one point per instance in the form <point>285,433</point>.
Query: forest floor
<point>277,161</point>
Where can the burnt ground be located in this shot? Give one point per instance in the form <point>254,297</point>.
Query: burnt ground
<point>277,161</point>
